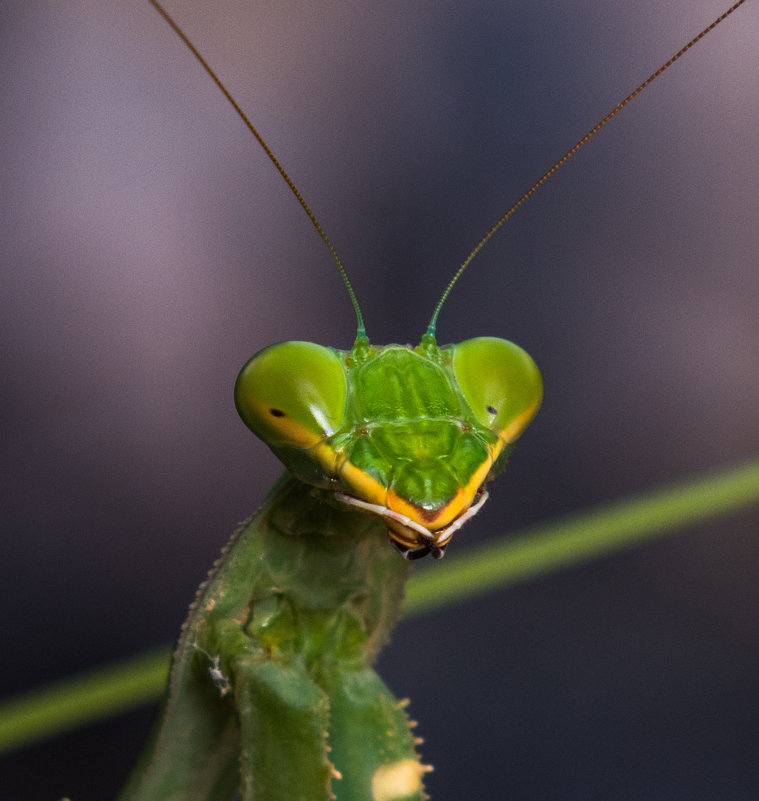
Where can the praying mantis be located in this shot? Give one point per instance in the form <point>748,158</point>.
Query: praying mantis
<point>272,693</point>
<point>567,277</point>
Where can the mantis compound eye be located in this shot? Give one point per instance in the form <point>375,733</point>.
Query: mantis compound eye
<point>500,382</point>
<point>292,394</point>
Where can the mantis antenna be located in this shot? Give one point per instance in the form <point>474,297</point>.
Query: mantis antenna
<point>568,155</point>
<point>360,329</point>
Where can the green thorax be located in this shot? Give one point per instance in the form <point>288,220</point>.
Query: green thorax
<point>325,585</point>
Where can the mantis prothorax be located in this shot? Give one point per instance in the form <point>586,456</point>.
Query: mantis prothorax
<point>272,692</point>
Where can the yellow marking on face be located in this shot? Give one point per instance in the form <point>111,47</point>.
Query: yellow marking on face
<point>327,458</point>
<point>363,485</point>
<point>430,520</point>
<point>518,424</point>
<point>368,489</point>
<point>398,780</point>
<point>286,427</point>
<point>458,504</point>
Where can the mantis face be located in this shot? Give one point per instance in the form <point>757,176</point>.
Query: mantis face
<point>408,434</point>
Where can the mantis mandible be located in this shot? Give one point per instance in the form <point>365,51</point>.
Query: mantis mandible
<point>274,664</point>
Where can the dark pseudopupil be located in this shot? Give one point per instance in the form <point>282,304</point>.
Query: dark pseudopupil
<point>276,413</point>
<point>490,409</point>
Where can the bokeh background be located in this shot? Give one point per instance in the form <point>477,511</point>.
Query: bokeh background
<point>147,248</point>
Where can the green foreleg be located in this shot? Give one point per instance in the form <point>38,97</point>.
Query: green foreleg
<point>193,751</point>
<point>283,725</point>
<point>372,746</point>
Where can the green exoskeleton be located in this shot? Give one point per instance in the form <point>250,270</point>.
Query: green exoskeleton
<point>272,691</point>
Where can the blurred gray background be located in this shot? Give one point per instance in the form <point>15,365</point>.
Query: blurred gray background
<point>147,249</point>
